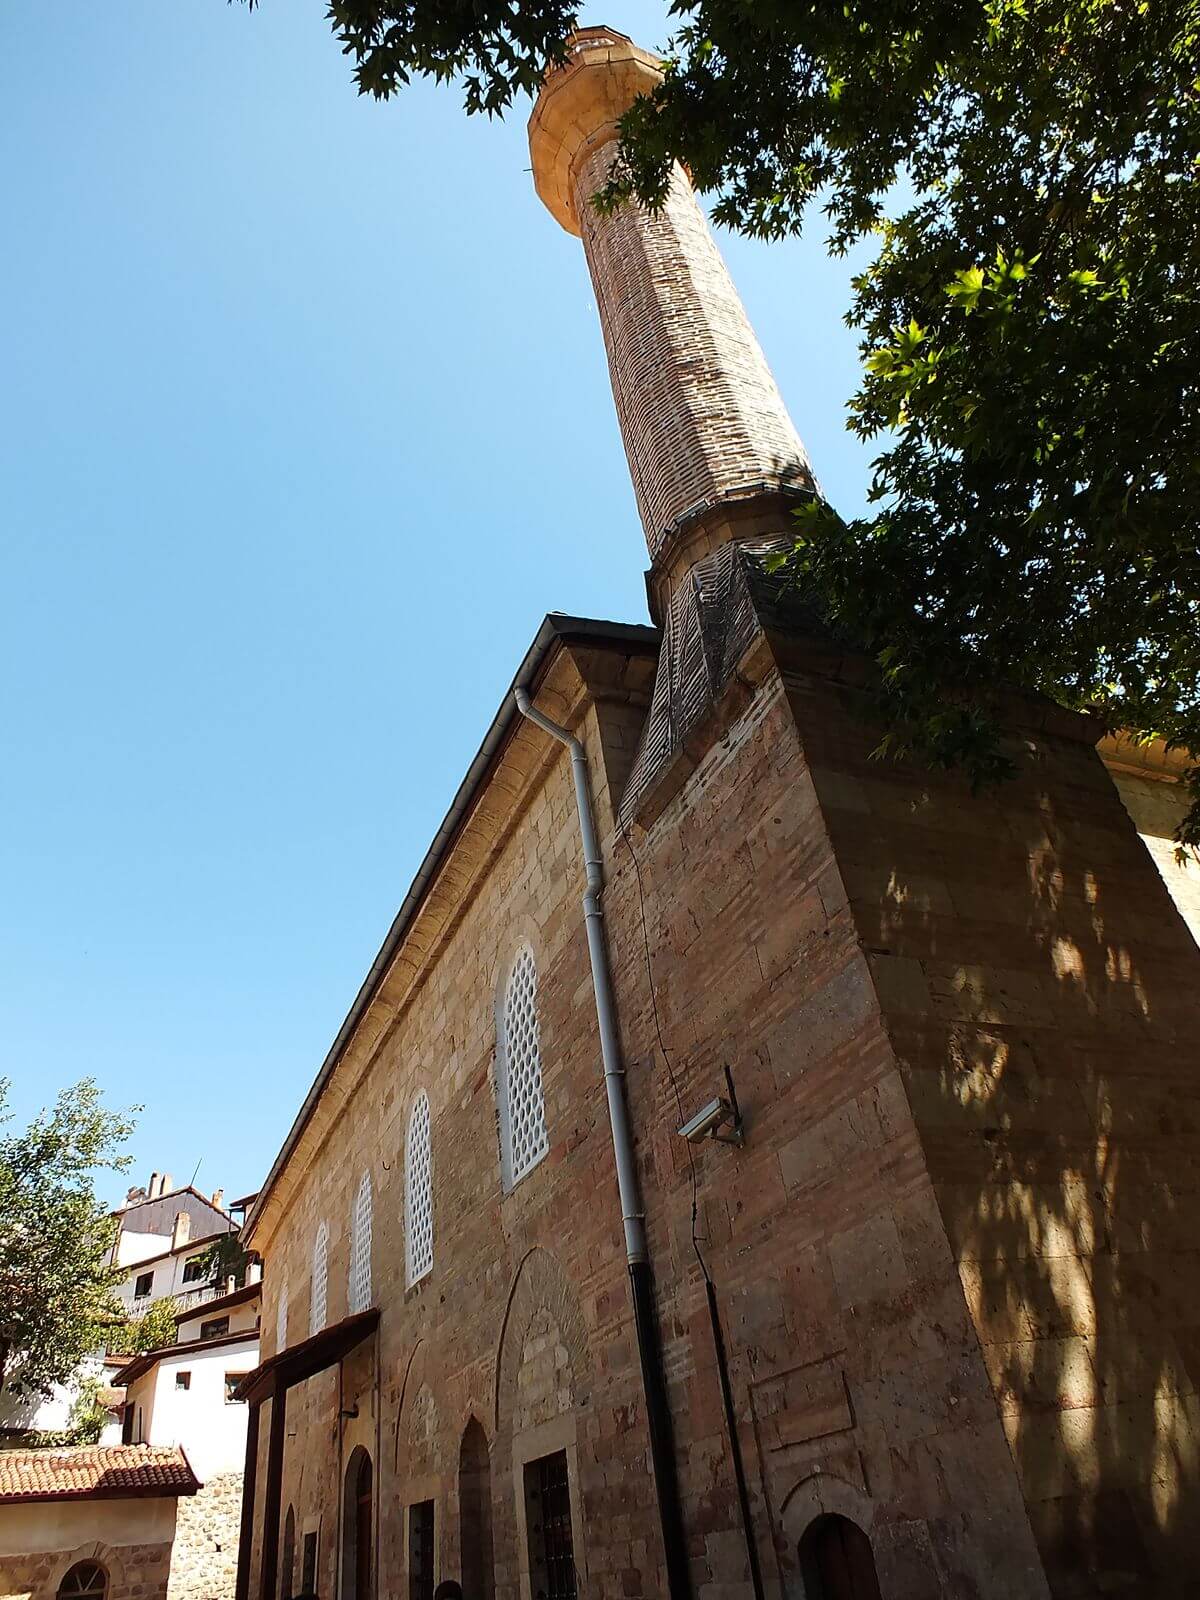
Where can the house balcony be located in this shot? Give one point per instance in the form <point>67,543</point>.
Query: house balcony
<point>188,1299</point>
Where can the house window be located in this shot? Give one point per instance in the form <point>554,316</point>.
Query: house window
<point>86,1580</point>
<point>281,1316</point>
<point>548,1519</point>
<point>183,1380</point>
<point>143,1285</point>
<point>523,1137</point>
<point>418,1193</point>
<point>214,1328</point>
<point>359,1297</point>
<point>308,1565</point>
<point>193,1269</point>
<point>420,1551</point>
<point>320,1280</point>
<point>232,1379</point>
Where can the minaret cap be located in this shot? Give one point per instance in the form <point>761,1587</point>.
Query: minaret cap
<point>578,110</point>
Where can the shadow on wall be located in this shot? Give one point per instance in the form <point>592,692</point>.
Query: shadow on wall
<point>1041,993</point>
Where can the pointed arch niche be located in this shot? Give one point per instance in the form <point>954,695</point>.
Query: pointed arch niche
<point>543,1343</point>
<point>475,1512</point>
<point>358,1499</point>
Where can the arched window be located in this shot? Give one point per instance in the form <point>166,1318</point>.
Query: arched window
<point>86,1580</point>
<point>357,1527</point>
<point>320,1280</point>
<point>287,1561</point>
<point>836,1561</point>
<point>281,1316</point>
<point>523,1137</point>
<point>418,1193</point>
<point>359,1297</point>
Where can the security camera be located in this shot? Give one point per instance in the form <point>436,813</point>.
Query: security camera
<point>710,1119</point>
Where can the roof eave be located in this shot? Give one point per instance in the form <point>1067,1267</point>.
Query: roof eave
<point>557,628</point>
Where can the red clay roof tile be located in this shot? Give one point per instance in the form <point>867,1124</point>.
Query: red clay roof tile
<point>95,1472</point>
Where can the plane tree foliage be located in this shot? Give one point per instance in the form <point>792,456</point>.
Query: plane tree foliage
<point>1029,173</point>
<point>56,1275</point>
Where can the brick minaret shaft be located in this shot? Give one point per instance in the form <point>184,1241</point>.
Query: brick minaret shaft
<point>703,421</point>
<point>715,459</point>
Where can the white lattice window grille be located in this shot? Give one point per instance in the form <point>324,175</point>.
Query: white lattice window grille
<point>281,1316</point>
<point>359,1296</point>
<point>320,1280</point>
<point>523,1137</point>
<point>418,1193</point>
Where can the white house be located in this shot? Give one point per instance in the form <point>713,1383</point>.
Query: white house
<point>183,1394</point>
<point>152,1218</point>
<point>162,1236</point>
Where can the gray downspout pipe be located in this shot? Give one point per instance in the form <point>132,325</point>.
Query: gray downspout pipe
<point>633,1217</point>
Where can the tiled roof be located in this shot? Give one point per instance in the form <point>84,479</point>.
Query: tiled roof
<point>95,1472</point>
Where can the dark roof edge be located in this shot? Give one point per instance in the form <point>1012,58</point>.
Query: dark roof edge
<point>235,1297</point>
<point>168,1194</point>
<point>556,627</point>
<point>140,1365</point>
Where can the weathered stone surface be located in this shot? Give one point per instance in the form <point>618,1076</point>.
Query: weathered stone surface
<point>134,1571</point>
<point>204,1558</point>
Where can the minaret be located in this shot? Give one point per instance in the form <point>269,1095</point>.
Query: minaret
<point>714,455</point>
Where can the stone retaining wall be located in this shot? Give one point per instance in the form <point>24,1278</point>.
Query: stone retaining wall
<point>204,1562</point>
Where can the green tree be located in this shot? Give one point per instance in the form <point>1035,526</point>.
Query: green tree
<point>224,1258</point>
<point>56,1277</point>
<point>89,1416</point>
<point>1030,170</point>
<point>153,1330</point>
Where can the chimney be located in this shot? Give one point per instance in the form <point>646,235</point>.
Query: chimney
<point>217,1196</point>
<point>715,459</point>
<point>152,1188</point>
<point>165,1184</point>
<point>182,1230</point>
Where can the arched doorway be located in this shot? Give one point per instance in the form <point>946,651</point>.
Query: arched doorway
<point>287,1563</point>
<point>357,1528</point>
<point>86,1580</point>
<point>475,1512</point>
<point>836,1561</point>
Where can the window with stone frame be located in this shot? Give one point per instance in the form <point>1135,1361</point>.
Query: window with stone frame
<point>522,1109</point>
<point>86,1580</point>
<point>548,1524</point>
<point>421,1551</point>
<point>418,1192</point>
<point>359,1292</point>
<point>320,1280</point>
<point>281,1320</point>
<point>308,1563</point>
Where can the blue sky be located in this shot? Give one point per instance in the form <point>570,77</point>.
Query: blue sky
<point>304,425</point>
